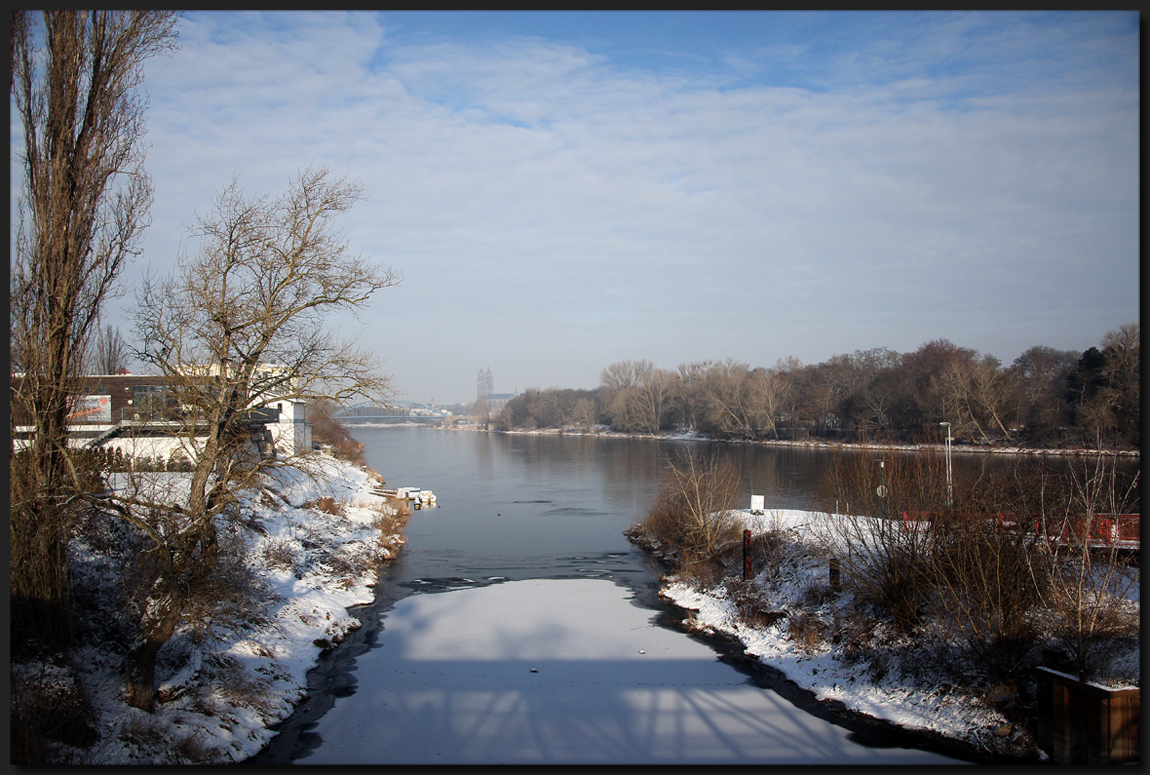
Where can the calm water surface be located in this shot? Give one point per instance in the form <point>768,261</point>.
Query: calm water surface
<point>517,506</point>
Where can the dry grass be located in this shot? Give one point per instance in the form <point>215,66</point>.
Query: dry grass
<point>807,630</point>
<point>391,516</point>
<point>751,603</point>
<point>233,596</point>
<point>225,683</point>
<point>691,520</point>
<point>193,749</point>
<point>328,505</point>
<point>145,734</point>
<point>351,561</point>
<point>280,552</point>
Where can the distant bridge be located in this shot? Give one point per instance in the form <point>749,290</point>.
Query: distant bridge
<point>373,413</point>
<point>360,419</point>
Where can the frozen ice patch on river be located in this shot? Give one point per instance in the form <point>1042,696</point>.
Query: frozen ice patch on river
<point>562,671</point>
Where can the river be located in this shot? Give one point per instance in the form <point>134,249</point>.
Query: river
<point>520,506</point>
<point>526,506</point>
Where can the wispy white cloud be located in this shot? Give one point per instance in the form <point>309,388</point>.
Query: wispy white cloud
<point>554,209</point>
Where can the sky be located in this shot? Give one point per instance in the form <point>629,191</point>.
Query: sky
<point>564,190</point>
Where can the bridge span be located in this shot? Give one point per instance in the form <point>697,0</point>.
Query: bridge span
<point>387,419</point>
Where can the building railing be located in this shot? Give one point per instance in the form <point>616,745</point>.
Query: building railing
<point>175,416</point>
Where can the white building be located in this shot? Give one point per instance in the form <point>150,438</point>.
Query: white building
<point>291,432</point>
<point>138,415</point>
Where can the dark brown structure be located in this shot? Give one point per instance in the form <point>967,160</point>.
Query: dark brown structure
<point>1083,723</point>
<point>104,405</point>
<point>129,395</point>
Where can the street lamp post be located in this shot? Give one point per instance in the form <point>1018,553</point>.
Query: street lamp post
<point>949,477</point>
<point>882,489</point>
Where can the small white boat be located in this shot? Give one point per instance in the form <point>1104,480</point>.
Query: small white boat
<point>419,498</point>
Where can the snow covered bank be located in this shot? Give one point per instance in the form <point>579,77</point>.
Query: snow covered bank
<point>794,642</point>
<point>958,449</point>
<point>563,671</point>
<point>313,545</point>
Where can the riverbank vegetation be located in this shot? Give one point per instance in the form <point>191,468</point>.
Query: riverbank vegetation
<point>332,434</point>
<point>904,592</point>
<point>692,516</point>
<point>305,546</point>
<point>1045,399</point>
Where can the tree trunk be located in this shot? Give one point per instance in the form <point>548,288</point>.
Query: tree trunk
<point>159,622</point>
<point>38,573</point>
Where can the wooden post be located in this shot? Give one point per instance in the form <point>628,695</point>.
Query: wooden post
<point>747,575</point>
<point>836,583</point>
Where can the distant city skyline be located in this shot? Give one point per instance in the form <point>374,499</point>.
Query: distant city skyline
<point>565,190</point>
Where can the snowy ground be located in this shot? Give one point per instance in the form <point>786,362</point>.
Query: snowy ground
<point>820,669</point>
<point>563,671</point>
<point>220,696</point>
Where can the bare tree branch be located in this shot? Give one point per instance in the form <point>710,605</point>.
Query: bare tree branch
<point>238,327</point>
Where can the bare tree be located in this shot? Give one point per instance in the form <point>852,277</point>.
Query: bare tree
<point>788,380</point>
<point>815,399</point>
<point>995,389</point>
<point>977,394</point>
<point>82,208</point>
<point>1122,350</point>
<point>649,402</point>
<point>856,377</point>
<point>585,414</point>
<point>740,402</point>
<point>481,410</point>
<point>622,383</point>
<point>726,407</point>
<point>238,328</point>
<point>689,389</point>
<point>885,564</point>
<point>770,395</point>
<point>623,374</point>
<point>107,352</point>
<point>1092,585</point>
<point>693,514</point>
<point>1042,372</point>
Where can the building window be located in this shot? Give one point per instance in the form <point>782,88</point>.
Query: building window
<point>150,401</point>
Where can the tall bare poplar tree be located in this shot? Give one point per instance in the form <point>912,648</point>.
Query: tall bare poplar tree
<point>74,83</point>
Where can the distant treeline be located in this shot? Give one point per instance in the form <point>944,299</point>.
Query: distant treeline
<point>1047,398</point>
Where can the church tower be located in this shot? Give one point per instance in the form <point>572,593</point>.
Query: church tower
<point>485,384</point>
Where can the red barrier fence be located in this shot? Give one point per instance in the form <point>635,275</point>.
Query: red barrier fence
<point>1102,530</point>
<point>1120,531</point>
